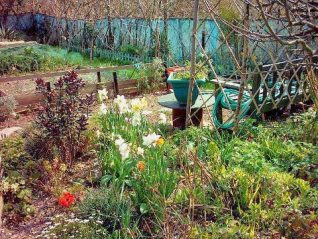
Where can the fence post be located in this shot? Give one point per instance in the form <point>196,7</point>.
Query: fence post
<point>99,80</point>
<point>116,89</point>
<point>203,39</point>
<point>48,86</point>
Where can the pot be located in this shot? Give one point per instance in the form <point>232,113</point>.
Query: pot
<point>181,88</point>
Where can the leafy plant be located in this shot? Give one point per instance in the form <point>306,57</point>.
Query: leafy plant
<point>7,106</point>
<point>300,127</point>
<point>20,175</point>
<point>7,33</point>
<point>64,114</point>
<point>108,206</point>
<point>201,71</point>
<point>153,76</point>
<point>161,49</point>
<point>132,50</point>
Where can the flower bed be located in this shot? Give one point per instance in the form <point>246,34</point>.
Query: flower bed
<point>152,181</point>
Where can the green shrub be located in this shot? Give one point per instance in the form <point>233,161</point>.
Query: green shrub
<point>301,127</point>
<point>110,207</point>
<point>153,76</point>
<point>20,175</point>
<point>64,115</point>
<point>132,50</point>
<point>201,71</point>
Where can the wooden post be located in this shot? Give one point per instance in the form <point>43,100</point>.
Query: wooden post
<point>203,39</point>
<point>116,88</point>
<point>99,78</point>
<point>48,86</point>
<point>193,59</point>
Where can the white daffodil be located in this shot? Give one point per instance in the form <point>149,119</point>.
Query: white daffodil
<point>121,104</point>
<point>140,151</point>
<point>136,119</point>
<point>124,150</point>
<point>150,140</point>
<point>119,141</point>
<point>138,105</point>
<point>162,118</point>
<point>102,95</point>
<point>103,109</point>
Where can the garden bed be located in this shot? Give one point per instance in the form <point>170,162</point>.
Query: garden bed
<point>166,182</point>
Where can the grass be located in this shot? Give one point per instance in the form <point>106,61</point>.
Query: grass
<point>44,58</point>
<point>39,58</point>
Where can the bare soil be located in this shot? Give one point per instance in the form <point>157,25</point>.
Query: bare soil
<point>12,44</point>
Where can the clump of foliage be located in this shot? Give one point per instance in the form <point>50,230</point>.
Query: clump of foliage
<point>29,60</point>
<point>8,33</point>
<point>133,50</point>
<point>20,175</point>
<point>301,127</point>
<point>107,206</point>
<point>64,114</point>
<point>7,106</point>
<point>153,76</point>
<point>185,74</point>
<point>45,58</point>
<point>162,46</point>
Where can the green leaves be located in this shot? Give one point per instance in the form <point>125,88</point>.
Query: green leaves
<point>143,208</point>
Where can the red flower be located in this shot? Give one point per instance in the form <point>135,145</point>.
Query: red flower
<point>67,199</point>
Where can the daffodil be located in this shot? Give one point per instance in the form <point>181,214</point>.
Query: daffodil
<point>136,119</point>
<point>103,109</point>
<point>138,105</point>
<point>150,140</point>
<point>102,95</point>
<point>119,141</point>
<point>162,118</point>
<point>160,142</point>
<point>121,104</point>
<point>140,151</point>
<point>124,148</point>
